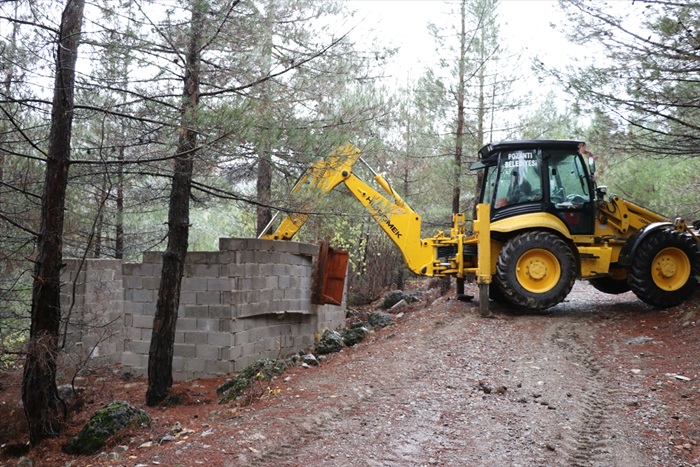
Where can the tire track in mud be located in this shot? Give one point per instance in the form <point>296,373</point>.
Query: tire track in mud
<point>588,444</point>
<point>318,432</point>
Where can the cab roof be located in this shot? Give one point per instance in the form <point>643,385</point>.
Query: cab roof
<point>493,148</point>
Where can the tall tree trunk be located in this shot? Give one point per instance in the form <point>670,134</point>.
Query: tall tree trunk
<point>264,175</point>
<point>119,237</point>
<point>100,221</point>
<point>39,394</point>
<point>457,189</point>
<point>264,188</point>
<point>160,355</point>
<point>459,133</point>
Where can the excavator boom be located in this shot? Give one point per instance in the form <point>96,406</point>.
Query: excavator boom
<point>394,216</point>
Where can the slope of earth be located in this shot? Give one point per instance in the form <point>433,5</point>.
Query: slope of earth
<point>598,380</point>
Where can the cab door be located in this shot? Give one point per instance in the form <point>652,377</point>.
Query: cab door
<point>570,194</point>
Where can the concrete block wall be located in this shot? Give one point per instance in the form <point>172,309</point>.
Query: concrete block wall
<point>91,305</point>
<point>249,300</point>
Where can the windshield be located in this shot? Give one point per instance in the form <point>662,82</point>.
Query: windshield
<point>518,179</point>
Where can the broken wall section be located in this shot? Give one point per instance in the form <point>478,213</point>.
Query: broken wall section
<point>249,300</point>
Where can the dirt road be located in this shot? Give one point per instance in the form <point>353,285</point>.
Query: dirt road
<point>598,381</point>
<point>448,388</point>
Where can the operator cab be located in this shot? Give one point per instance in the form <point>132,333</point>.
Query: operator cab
<point>532,176</point>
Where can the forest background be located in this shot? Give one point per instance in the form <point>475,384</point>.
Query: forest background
<point>143,125</point>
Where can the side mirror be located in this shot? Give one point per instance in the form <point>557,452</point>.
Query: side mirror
<point>591,165</point>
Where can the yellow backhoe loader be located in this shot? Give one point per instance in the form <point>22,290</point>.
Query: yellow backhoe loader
<point>540,224</point>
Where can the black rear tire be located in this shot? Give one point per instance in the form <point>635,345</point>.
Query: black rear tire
<point>610,285</point>
<point>536,270</point>
<point>665,268</point>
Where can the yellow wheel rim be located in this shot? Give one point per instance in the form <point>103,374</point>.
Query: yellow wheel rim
<point>670,269</point>
<point>538,270</point>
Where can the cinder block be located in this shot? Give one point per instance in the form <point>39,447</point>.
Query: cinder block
<point>208,298</point>
<point>195,337</point>
<point>233,270</point>
<point>133,333</point>
<point>245,257</point>
<point>151,283</point>
<point>179,363</point>
<point>219,285</point>
<point>304,282</point>
<point>232,244</point>
<point>223,258</point>
<point>234,298</point>
<point>183,375</point>
<point>144,296</point>
<point>185,350</point>
<point>220,339</point>
<point>261,349</point>
<point>195,365</point>
<point>218,367</point>
<point>220,311</point>
<point>188,297</point>
<point>186,324</point>
<point>251,296</point>
<point>149,308</point>
<point>249,350</point>
<point>241,338</point>
<point>259,283</point>
<point>196,311</point>
<point>131,270</point>
<point>273,257</point>
<point>252,270</point>
<point>240,364</point>
<point>133,360</point>
<point>234,353</point>
<point>307,249</point>
<point>208,324</point>
<point>208,352</point>
<point>244,284</point>
<point>140,347</point>
<point>227,325</point>
<point>133,282</point>
<point>271,282</point>
<point>208,270</point>
<point>292,294</point>
<point>141,321</point>
<point>194,284</point>
<point>284,282</point>
<point>266,269</point>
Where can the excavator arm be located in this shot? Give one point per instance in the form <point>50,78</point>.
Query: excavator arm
<point>396,218</point>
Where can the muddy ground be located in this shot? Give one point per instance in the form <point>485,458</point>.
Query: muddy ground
<point>599,380</point>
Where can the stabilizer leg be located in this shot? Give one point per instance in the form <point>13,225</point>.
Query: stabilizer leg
<point>484,301</point>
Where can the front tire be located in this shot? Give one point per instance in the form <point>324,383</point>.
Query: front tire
<point>665,269</point>
<point>536,270</point>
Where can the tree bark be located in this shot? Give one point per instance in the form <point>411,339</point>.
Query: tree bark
<point>39,394</point>
<point>459,133</point>
<point>119,237</point>
<point>160,355</point>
